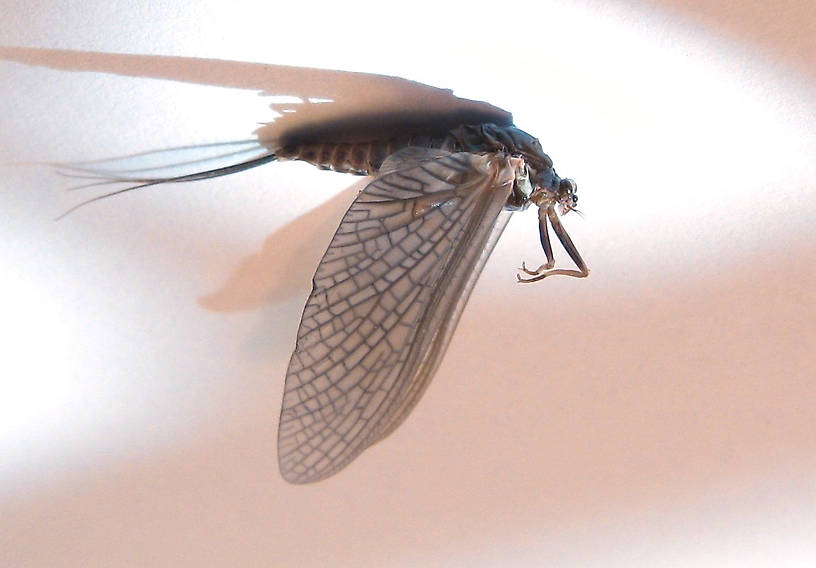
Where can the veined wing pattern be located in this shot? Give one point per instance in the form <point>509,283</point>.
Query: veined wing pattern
<point>386,298</point>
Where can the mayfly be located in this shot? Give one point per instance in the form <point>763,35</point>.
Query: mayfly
<point>392,285</point>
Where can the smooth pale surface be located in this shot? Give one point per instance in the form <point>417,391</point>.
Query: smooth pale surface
<point>660,412</point>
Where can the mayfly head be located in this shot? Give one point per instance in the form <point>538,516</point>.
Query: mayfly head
<point>567,195</point>
<point>551,190</point>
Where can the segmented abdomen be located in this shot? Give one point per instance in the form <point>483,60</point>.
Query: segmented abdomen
<point>361,158</point>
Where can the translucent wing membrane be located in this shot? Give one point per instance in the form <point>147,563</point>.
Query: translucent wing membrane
<point>386,299</point>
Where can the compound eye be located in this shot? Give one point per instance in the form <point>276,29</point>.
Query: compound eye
<point>574,199</point>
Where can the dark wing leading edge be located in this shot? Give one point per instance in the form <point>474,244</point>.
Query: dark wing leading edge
<point>386,299</point>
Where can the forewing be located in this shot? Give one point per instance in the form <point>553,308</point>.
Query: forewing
<point>386,298</point>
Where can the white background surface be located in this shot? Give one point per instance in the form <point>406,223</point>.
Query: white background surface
<point>659,413</point>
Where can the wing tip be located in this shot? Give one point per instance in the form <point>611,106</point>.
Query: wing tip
<point>296,473</point>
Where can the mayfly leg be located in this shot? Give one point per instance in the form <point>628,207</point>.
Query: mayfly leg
<point>544,270</point>
<point>544,236</point>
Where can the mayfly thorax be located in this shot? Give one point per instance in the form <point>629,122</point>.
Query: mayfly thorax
<point>392,285</point>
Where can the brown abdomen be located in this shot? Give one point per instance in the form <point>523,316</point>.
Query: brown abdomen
<point>361,158</point>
